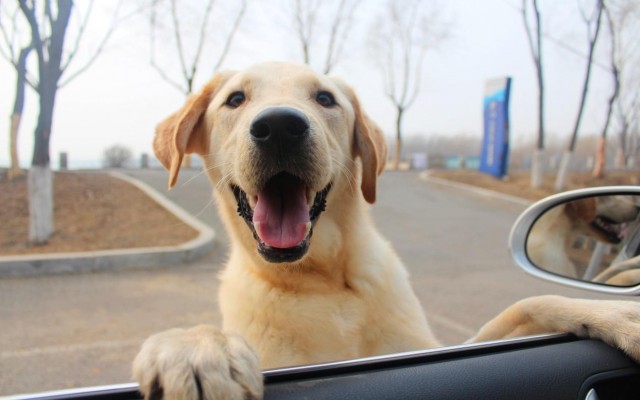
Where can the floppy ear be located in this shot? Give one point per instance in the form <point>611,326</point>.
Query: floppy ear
<point>183,132</point>
<point>369,144</point>
<point>584,209</point>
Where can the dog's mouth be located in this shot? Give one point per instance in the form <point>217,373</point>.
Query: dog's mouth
<point>609,228</point>
<point>282,216</point>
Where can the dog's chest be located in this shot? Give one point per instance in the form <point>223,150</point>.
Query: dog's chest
<point>302,327</point>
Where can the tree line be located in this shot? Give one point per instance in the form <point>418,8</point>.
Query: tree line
<point>621,20</point>
<point>52,33</point>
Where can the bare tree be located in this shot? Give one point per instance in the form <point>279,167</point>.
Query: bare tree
<point>18,106</point>
<point>189,49</point>
<point>625,18</point>
<point>399,41</point>
<point>600,153</point>
<point>534,35</point>
<point>47,23</point>
<point>11,42</point>
<point>117,156</point>
<point>189,44</point>
<point>593,22</point>
<point>628,115</point>
<point>309,18</point>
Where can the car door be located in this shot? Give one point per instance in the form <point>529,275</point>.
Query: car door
<point>545,367</point>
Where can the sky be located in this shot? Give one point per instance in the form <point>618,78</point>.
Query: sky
<point>121,98</point>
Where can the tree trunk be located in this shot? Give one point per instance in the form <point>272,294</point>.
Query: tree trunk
<point>620,158</point>
<point>18,107</point>
<point>537,168</point>
<point>566,157</point>
<point>396,155</point>
<point>535,46</point>
<point>398,148</point>
<point>40,204</point>
<point>14,170</point>
<point>42,134</point>
<point>40,183</point>
<point>50,69</point>
<point>600,158</point>
<point>563,171</point>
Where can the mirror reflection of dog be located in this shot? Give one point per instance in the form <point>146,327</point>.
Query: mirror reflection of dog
<point>294,159</point>
<point>601,218</point>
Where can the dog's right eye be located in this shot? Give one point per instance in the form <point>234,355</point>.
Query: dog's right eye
<point>325,99</point>
<point>235,99</point>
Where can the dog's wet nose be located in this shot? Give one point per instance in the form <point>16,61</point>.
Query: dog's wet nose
<point>280,126</point>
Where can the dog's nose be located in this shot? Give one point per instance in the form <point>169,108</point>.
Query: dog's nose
<point>280,126</point>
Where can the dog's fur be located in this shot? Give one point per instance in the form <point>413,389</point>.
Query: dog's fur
<point>346,294</point>
<point>552,235</point>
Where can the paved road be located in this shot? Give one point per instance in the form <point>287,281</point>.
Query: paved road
<point>84,330</point>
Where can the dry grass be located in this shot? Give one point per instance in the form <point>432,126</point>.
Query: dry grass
<point>92,211</point>
<point>518,183</point>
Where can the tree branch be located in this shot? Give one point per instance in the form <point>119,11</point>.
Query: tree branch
<point>30,15</point>
<point>234,29</point>
<point>203,30</point>
<point>81,29</point>
<point>178,37</point>
<point>167,79</point>
<point>112,27</point>
<point>337,21</point>
<point>9,39</point>
<point>302,34</point>
<point>340,28</point>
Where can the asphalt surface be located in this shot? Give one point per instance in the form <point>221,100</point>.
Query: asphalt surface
<point>80,330</point>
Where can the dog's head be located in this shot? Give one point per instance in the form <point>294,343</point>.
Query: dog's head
<point>278,139</point>
<point>603,218</point>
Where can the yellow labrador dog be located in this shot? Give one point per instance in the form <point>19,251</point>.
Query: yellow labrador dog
<point>294,159</point>
<point>602,219</point>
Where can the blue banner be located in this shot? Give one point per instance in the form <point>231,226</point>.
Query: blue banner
<point>494,158</point>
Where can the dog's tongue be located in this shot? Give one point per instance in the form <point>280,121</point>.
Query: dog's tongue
<point>281,213</point>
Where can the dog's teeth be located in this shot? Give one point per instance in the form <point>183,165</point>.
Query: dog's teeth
<point>310,197</point>
<point>307,229</point>
<point>253,200</point>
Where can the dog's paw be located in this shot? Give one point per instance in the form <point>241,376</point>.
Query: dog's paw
<point>197,363</point>
<point>616,323</point>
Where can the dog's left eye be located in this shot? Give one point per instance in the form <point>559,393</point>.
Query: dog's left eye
<point>325,99</point>
<point>235,99</point>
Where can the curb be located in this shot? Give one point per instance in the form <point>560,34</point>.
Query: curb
<point>479,191</point>
<point>117,259</point>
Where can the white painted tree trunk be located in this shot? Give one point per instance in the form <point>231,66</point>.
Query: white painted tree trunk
<point>620,161</point>
<point>563,171</point>
<point>537,168</point>
<point>40,204</point>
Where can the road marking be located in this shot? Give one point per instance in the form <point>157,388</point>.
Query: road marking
<point>72,348</point>
<point>477,190</point>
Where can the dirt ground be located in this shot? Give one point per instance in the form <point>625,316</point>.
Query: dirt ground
<point>92,211</point>
<point>518,183</point>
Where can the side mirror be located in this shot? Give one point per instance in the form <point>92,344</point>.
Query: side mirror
<point>587,238</point>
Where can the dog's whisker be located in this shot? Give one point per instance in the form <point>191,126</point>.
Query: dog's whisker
<point>346,172</point>
<point>224,180</point>
<point>202,210</point>
<point>192,178</point>
<point>218,165</point>
<point>205,170</point>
